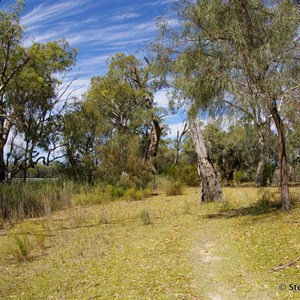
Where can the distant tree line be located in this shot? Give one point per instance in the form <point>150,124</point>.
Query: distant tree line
<point>234,62</point>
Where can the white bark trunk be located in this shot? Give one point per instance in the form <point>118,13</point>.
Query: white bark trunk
<point>210,179</point>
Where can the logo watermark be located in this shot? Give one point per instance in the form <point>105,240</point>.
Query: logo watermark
<point>289,287</point>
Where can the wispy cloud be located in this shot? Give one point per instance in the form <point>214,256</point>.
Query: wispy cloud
<point>126,16</point>
<point>44,13</point>
<point>97,28</point>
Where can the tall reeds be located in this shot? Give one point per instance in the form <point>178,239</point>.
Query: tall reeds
<point>35,199</point>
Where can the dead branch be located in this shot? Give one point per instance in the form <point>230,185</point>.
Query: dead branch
<point>286,265</point>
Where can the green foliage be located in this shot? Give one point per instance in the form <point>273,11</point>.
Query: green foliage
<point>102,194</point>
<point>30,84</point>
<point>92,196</point>
<point>234,151</point>
<point>133,194</point>
<point>43,171</point>
<point>137,194</point>
<point>115,191</point>
<point>145,217</point>
<point>238,176</point>
<point>38,110</point>
<point>183,172</point>
<point>108,132</point>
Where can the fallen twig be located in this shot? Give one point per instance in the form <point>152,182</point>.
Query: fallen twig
<point>286,265</point>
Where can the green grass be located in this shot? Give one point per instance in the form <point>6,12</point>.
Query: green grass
<point>188,251</point>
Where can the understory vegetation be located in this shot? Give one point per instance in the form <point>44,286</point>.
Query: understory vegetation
<point>41,198</point>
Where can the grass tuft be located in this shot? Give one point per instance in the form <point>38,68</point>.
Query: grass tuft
<point>174,188</point>
<point>26,239</point>
<point>145,217</point>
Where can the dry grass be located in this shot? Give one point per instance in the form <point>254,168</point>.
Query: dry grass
<point>106,252</point>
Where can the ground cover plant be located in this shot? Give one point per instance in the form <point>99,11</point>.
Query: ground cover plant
<point>188,250</point>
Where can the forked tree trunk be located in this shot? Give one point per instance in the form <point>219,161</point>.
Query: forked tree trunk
<point>210,178</point>
<point>178,142</point>
<point>284,178</point>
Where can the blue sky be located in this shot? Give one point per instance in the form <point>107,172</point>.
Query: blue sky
<point>98,29</point>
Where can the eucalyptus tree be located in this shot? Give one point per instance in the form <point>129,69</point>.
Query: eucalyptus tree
<point>13,58</point>
<point>36,100</point>
<point>175,56</point>
<point>31,95</point>
<point>140,78</point>
<point>242,48</point>
<point>85,133</point>
<point>124,98</point>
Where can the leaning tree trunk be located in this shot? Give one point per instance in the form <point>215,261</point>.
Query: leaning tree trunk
<point>284,178</point>
<point>152,148</point>
<point>210,179</point>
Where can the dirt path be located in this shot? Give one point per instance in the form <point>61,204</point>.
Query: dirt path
<point>220,269</point>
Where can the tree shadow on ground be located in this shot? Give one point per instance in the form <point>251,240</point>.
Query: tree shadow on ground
<point>262,207</point>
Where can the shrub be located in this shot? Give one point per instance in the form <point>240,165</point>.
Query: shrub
<point>114,192</point>
<point>238,176</point>
<point>189,175</point>
<point>25,239</point>
<point>266,202</point>
<point>174,188</point>
<point>136,194</point>
<point>186,173</point>
<point>145,217</point>
<point>96,195</point>
<point>22,247</point>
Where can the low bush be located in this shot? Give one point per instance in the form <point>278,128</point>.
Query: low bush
<point>26,239</point>
<point>266,202</point>
<point>137,194</point>
<point>238,177</point>
<point>174,188</point>
<point>145,217</point>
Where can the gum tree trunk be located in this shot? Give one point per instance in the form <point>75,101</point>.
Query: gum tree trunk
<point>210,179</point>
<point>153,144</point>
<point>5,125</point>
<point>2,164</point>
<point>261,179</point>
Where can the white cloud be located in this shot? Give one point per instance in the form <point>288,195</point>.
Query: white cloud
<point>173,128</point>
<point>161,98</point>
<point>42,13</point>
<point>126,16</point>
